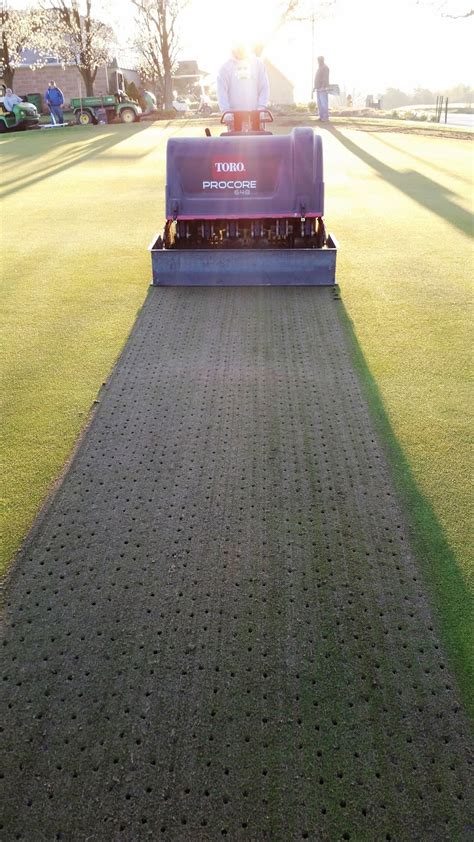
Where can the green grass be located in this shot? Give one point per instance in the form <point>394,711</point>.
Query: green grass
<point>400,207</point>
<point>449,590</point>
<point>404,271</point>
<point>81,205</point>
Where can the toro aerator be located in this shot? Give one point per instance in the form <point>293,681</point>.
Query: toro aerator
<point>245,208</point>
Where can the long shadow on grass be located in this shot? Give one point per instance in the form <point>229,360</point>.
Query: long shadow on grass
<point>449,592</point>
<point>422,190</point>
<point>67,155</point>
<point>401,151</point>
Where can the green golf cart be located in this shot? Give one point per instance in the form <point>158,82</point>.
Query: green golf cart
<point>24,115</point>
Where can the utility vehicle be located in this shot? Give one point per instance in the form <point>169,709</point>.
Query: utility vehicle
<point>105,109</point>
<point>23,116</point>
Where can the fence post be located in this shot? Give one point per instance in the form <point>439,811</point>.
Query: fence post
<point>446,111</point>
<point>440,108</point>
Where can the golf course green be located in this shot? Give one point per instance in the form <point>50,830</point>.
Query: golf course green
<point>81,205</point>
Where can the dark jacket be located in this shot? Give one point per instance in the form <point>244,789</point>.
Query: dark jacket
<point>321,80</point>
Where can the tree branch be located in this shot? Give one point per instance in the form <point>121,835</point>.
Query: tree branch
<point>456,17</point>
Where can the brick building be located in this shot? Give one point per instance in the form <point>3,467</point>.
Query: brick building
<point>67,77</point>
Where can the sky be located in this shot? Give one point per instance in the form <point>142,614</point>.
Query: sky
<point>369,45</point>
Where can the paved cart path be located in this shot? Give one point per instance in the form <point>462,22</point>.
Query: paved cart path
<point>217,629</point>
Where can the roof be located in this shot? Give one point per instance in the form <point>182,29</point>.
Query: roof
<point>188,70</point>
<point>274,70</point>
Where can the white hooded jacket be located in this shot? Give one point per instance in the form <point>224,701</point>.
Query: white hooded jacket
<point>11,99</point>
<point>242,85</point>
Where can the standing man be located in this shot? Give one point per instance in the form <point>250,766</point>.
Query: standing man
<point>321,85</point>
<point>242,82</point>
<point>55,101</point>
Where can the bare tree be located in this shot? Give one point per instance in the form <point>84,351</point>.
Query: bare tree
<point>19,30</point>
<point>446,8</point>
<point>302,10</point>
<point>158,42</point>
<point>79,37</point>
<point>287,9</point>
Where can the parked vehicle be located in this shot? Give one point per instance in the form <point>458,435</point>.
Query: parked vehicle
<point>180,105</point>
<point>23,116</point>
<point>107,108</point>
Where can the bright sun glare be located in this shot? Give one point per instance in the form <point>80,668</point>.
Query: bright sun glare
<point>369,45</point>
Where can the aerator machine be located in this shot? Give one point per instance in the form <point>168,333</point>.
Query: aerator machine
<point>245,209</point>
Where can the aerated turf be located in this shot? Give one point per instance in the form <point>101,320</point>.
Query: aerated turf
<point>218,629</point>
<point>80,206</point>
